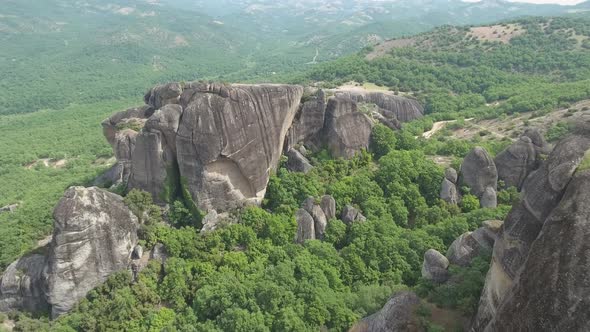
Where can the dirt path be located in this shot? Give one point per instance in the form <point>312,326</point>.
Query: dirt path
<point>436,127</point>
<point>7,325</point>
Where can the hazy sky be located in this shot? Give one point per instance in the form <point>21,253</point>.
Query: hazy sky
<point>561,2</point>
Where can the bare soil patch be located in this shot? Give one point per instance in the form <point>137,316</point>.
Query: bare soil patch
<point>501,33</point>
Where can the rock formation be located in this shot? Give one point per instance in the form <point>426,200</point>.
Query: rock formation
<point>9,208</point>
<point>305,226</point>
<point>308,122</point>
<point>471,244</point>
<point>541,233</point>
<point>478,172</point>
<point>448,189</point>
<point>94,236</point>
<point>217,142</point>
<point>350,215</point>
<point>489,198</point>
<point>346,130</point>
<point>328,205</point>
<point>396,315</point>
<point>391,106</point>
<point>435,266</point>
<point>297,162</point>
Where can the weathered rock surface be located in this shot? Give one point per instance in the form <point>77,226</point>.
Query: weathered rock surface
<point>449,192</point>
<point>159,252</point>
<point>489,198</point>
<point>471,244</point>
<point>320,221</point>
<point>478,171</point>
<point>219,142</point>
<point>393,107</point>
<point>328,204</point>
<point>308,122</point>
<point>451,175</point>
<point>542,192</point>
<point>296,162</point>
<point>516,162</point>
<point>22,285</point>
<point>305,226</point>
<point>351,214</point>
<point>94,235</point>
<point>435,266</point>
<point>553,290</point>
<point>397,315</point>
<point>346,130</point>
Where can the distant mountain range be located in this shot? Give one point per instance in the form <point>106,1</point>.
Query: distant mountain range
<point>78,45</point>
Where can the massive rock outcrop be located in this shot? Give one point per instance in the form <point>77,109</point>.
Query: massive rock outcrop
<point>94,236</point>
<point>390,106</point>
<point>471,244</point>
<point>218,143</point>
<point>346,130</point>
<point>435,266</point>
<point>541,233</point>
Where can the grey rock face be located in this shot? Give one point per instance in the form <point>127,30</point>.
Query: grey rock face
<point>478,171</point>
<point>308,121</point>
<point>350,215</point>
<point>449,192</point>
<point>489,198</point>
<point>305,226</point>
<point>346,130</point>
<point>516,162</point>
<point>396,315</point>
<point>94,235</point>
<point>451,175</point>
<point>542,191</point>
<point>538,140</point>
<point>471,244</point>
<point>328,205</point>
<point>435,266</point>
<point>296,162</point>
<point>553,289</point>
<point>219,142</point>
<point>393,107</point>
<point>320,221</point>
<point>21,285</point>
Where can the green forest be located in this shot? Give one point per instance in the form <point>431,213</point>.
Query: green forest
<point>251,276</point>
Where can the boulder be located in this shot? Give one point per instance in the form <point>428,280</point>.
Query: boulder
<point>320,221</point>
<point>478,172</point>
<point>328,205</point>
<point>350,215</point>
<point>296,162</point>
<point>449,192</point>
<point>542,192</point>
<point>396,315</point>
<point>94,236</point>
<point>471,244</point>
<point>451,175</point>
<point>308,204</point>
<point>538,140</point>
<point>489,198</point>
<point>161,95</point>
<point>392,107</point>
<point>9,208</point>
<point>434,267</point>
<point>137,252</point>
<point>305,226</point>
<point>516,162</point>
